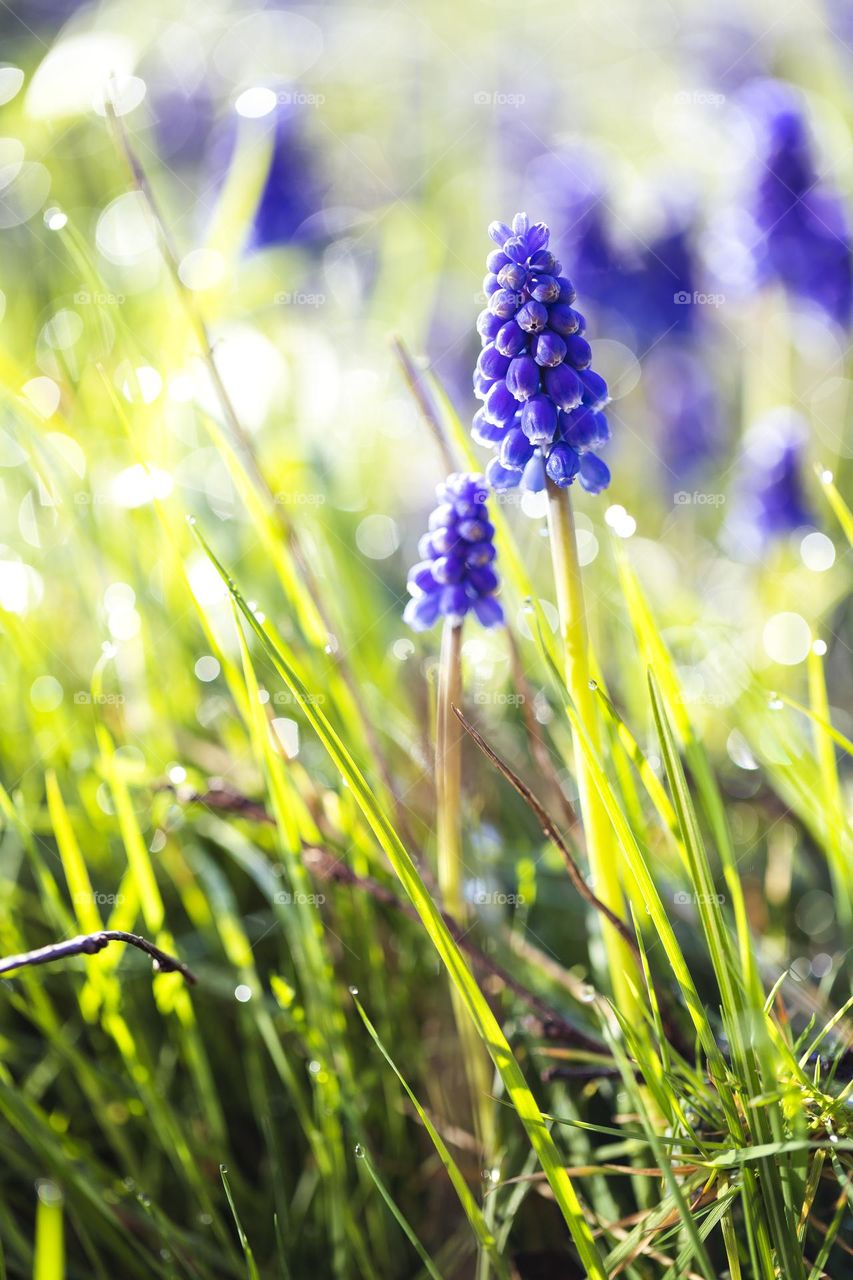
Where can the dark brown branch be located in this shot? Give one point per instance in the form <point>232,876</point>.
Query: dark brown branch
<point>89,944</point>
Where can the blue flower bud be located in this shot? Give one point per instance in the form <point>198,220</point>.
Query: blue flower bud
<point>496,259</point>
<point>533,476</point>
<point>476,530</point>
<point>564,386</point>
<point>578,351</point>
<point>595,392</point>
<point>491,284</point>
<point>485,432</point>
<point>579,428</point>
<point>499,232</point>
<point>567,291</point>
<point>537,238</point>
<point>421,612</point>
<point>492,364</point>
<point>522,377</point>
<point>443,517</point>
<point>504,303</point>
<point>545,289</point>
<point>500,406</point>
<point>489,611</point>
<point>549,349</point>
<point>489,326</point>
<point>421,578</point>
<point>539,419</point>
<point>482,384</point>
<point>562,465</point>
<point>516,249</point>
<point>520,224</point>
<point>544,261</point>
<point>563,319</point>
<point>533,316</point>
<point>500,477</point>
<point>483,580</point>
<point>510,339</point>
<point>594,474</point>
<point>513,276</point>
<point>516,450</point>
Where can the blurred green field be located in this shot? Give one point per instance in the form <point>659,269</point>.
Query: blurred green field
<point>218,233</point>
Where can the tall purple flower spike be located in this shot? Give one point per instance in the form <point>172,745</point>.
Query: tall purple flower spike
<point>456,571</point>
<point>541,399</point>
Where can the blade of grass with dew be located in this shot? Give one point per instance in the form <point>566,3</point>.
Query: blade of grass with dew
<point>398,1216</point>
<point>472,1210</point>
<point>842,512</point>
<point>521,1097</point>
<point>251,1268</point>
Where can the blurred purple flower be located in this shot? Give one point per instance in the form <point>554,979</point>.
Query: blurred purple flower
<point>683,399</point>
<point>770,500</point>
<point>803,239</point>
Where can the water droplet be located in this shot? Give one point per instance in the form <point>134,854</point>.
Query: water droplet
<point>353,991</point>
<point>359,1151</point>
<point>190,520</point>
<point>587,995</point>
<point>775,703</point>
<point>490,1175</point>
<point>527,604</point>
<point>593,684</point>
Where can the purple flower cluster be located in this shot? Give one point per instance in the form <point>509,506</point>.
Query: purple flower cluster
<point>541,400</point>
<point>456,572</point>
<point>804,235</point>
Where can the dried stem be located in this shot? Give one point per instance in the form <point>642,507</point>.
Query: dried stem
<point>89,944</point>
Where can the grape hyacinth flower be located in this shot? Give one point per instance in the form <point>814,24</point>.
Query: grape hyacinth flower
<point>542,401</point>
<point>456,573</point>
<point>803,235</point>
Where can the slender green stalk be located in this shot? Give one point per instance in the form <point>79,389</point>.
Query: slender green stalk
<point>448,771</point>
<point>448,781</point>
<point>601,846</point>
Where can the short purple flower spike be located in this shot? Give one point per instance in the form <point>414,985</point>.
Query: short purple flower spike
<point>541,400</point>
<point>456,571</point>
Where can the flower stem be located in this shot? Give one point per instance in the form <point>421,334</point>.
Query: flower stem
<point>600,840</point>
<point>448,774</point>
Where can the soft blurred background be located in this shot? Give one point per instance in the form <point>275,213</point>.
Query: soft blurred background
<point>324,175</point>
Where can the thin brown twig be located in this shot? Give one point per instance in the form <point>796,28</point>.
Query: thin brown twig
<point>424,402</point>
<point>89,944</point>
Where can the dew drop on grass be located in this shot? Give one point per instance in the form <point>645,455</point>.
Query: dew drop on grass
<point>353,991</point>
<point>190,520</point>
<point>593,684</point>
<point>775,703</point>
<point>359,1151</point>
